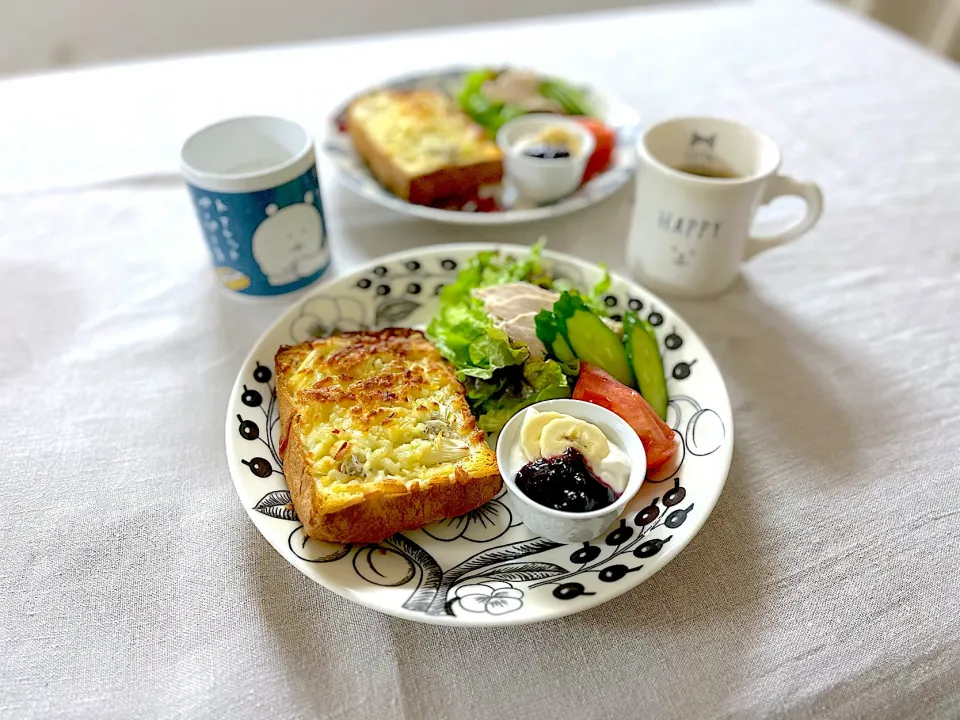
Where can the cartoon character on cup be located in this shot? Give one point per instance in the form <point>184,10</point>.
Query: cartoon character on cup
<point>288,244</point>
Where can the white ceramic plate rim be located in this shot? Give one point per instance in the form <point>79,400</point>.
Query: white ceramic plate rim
<point>603,185</point>
<point>561,608</point>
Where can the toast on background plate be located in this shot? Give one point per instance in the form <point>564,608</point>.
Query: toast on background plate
<point>421,147</point>
<point>377,436</point>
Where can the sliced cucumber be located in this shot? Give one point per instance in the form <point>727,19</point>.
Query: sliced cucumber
<point>571,99</point>
<point>563,352</point>
<point>642,349</point>
<point>590,339</point>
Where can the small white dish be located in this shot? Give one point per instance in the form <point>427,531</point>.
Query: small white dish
<point>572,527</point>
<point>543,180</point>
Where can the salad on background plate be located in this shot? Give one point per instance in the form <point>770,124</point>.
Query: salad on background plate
<point>492,97</point>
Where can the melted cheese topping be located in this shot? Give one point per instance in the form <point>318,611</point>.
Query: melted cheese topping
<point>423,131</point>
<point>379,408</point>
<point>402,442</point>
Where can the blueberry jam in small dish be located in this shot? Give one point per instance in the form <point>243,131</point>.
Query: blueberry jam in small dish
<point>546,152</point>
<point>564,482</point>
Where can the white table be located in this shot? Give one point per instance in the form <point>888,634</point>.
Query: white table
<point>827,582</point>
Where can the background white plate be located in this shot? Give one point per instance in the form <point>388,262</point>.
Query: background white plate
<point>484,568</point>
<point>353,173</point>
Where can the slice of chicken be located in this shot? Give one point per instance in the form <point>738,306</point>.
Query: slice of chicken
<point>514,306</point>
<point>541,104</point>
<point>522,329</point>
<point>512,299</point>
<point>512,86</point>
<point>504,301</point>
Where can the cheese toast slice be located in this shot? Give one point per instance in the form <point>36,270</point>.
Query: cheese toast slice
<point>377,436</point>
<point>421,147</point>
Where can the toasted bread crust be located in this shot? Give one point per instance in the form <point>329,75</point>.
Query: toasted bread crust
<point>390,175</point>
<point>379,509</point>
<point>458,180</point>
<point>453,183</point>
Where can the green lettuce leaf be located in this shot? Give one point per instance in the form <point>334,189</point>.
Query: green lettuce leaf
<point>463,332</point>
<point>500,377</point>
<point>490,114</point>
<point>540,380</point>
<point>592,299</point>
<point>480,390</point>
<point>572,99</point>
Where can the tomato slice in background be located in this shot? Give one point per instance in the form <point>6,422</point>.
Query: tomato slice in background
<point>600,388</point>
<point>605,140</point>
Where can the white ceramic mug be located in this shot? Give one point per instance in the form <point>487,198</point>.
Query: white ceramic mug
<point>690,232</point>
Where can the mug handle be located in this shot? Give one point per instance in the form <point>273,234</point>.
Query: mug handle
<point>778,186</point>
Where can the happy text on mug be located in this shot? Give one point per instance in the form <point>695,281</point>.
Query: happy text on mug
<point>687,226</point>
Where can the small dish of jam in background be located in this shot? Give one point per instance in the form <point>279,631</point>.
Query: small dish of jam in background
<point>545,155</point>
<point>571,467</point>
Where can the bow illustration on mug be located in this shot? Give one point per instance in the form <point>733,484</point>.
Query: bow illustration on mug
<point>695,138</point>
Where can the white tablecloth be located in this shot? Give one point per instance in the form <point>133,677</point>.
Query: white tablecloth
<point>825,585</point>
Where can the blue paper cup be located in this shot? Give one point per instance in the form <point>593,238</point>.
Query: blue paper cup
<point>255,188</point>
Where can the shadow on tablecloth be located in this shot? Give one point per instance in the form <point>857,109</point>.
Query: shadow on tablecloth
<point>798,384</point>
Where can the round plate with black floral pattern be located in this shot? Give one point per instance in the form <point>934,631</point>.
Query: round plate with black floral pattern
<point>485,567</point>
<point>354,173</point>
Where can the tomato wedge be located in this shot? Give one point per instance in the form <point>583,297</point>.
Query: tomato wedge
<point>600,388</point>
<point>604,142</point>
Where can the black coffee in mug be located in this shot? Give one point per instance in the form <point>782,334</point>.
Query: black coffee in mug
<point>708,171</point>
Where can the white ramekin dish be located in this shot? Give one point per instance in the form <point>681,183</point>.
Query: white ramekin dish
<point>543,180</point>
<point>572,527</point>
